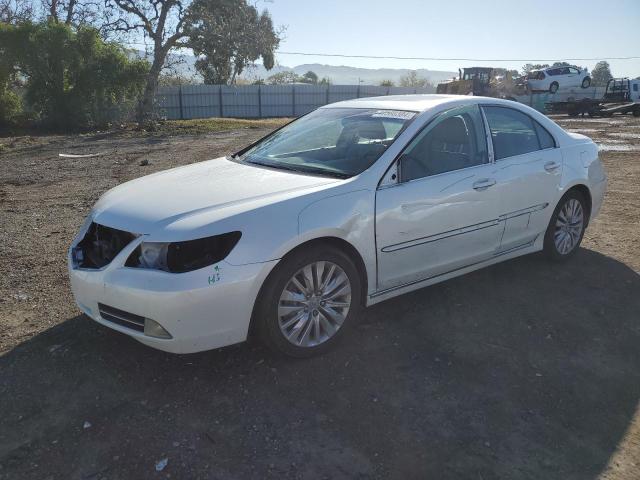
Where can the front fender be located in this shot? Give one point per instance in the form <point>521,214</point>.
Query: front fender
<point>349,216</point>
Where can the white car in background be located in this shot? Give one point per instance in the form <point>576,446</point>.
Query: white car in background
<point>352,204</point>
<point>553,78</point>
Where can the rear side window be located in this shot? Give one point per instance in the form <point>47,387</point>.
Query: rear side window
<point>513,132</point>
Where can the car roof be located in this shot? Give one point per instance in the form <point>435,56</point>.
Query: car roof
<point>413,103</point>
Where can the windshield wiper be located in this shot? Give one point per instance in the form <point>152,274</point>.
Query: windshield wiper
<point>292,168</point>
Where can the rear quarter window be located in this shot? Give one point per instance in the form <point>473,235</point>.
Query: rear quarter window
<point>544,137</point>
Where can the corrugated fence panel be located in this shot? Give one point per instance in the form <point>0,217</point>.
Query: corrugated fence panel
<point>277,100</point>
<point>338,93</point>
<point>201,101</point>
<point>260,101</point>
<point>402,90</point>
<point>373,91</point>
<point>241,102</point>
<point>168,102</point>
<point>308,98</point>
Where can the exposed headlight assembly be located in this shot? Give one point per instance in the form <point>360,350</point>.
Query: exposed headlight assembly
<point>180,257</point>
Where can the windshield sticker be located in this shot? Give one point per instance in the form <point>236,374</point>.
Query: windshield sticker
<point>217,275</point>
<point>398,114</point>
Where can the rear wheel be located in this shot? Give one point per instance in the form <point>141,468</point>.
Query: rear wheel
<point>309,302</point>
<point>553,88</point>
<point>636,112</point>
<point>586,81</point>
<point>566,228</point>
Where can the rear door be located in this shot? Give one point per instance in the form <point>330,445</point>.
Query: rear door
<point>443,212</point>
<point>574,77</point>
<point>528,170</point>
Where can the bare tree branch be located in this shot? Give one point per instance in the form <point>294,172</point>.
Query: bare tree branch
<point>162,21</point>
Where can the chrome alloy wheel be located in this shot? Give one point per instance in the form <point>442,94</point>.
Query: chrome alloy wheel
<point>314,304</point>
<point>569,226</point>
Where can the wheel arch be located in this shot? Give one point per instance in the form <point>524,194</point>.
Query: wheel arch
<point>586,194</point>
<point>335,242</point>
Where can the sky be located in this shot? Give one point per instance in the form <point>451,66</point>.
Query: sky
<point>495,29</point>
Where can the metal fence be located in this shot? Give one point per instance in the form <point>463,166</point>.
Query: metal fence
<point>261,101</point>
<point>265,101</point>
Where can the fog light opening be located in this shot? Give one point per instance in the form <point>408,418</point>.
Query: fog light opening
<point>154,329</point>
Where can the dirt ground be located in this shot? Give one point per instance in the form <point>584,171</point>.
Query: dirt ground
<point>523,370</point>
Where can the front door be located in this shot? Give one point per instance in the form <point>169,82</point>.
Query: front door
<point>442,214</point>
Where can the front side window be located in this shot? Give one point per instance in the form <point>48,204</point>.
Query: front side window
<point>454,140</point>
<point>515,133</point>
<point>339,142</point>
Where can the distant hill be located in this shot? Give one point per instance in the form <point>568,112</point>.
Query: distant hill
<point>184,66</point>
<point>350,75</point>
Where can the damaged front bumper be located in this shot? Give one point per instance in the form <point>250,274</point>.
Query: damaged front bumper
<point>175,312</point>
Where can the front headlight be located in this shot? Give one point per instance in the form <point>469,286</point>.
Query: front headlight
<point>180,257</point>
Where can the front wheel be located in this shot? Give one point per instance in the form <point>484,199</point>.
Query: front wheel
<point>309,301</point>
<point>586,81</point>
<point>553,88</point>
<point>566,228</point>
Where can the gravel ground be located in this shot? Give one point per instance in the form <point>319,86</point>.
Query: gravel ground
<point>521,370</point>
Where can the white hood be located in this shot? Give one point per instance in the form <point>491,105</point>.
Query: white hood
<point>219,187</point>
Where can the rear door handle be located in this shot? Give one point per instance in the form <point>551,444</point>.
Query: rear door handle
<point>484,184</point>
<point>551,166</point>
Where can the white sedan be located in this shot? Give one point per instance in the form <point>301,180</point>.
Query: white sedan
<point>352,204</point>
<point>553,78</point>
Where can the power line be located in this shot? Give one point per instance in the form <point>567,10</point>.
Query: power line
<point>391,57</point>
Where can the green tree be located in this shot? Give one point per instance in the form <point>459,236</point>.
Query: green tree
<point>533,66</point>
<point>601,74</point>
<point>10,45</point>
<point>325,81</point>
<point>387,83</point>
<point>412,79</point>
<point>283,77</point>
<point>309,77</point>
<point>16,11</point>
<point>73,79</point>
<point>228,36</point>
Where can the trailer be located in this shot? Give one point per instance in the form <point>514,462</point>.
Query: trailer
<point>621,96</point>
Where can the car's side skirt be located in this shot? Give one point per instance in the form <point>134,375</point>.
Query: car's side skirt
<point>382,295</point>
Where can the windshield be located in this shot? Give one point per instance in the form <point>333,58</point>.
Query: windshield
<point>339,142</point>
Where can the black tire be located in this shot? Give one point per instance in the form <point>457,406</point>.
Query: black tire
<point>636,112</point>
<point>553,88</point>
<point>266,313</point>
<point>586,82</point>
<point>550,249</point>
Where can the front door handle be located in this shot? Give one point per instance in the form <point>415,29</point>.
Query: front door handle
<point>484,184</point>
<point>551,166</point>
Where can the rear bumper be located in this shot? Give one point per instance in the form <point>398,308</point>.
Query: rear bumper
<point>201,310</point>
